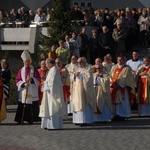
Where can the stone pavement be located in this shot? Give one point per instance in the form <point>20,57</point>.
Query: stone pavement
<point>133,134</point>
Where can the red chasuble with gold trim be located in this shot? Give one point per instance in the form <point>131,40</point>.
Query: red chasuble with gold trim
<point>113,91</point>
<point>143,88</point>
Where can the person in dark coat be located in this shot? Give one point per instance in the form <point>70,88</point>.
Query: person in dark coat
<point>94,46</point>
<point>106,42</point>
<point>83,42</point>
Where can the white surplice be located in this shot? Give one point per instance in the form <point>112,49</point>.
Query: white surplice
<point>51,110</point>
<point>32,89</point>
<point>71,68</point>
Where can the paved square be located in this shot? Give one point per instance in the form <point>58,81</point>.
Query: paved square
<point>133,134</point>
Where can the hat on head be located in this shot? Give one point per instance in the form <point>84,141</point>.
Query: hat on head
<point>25,55</point>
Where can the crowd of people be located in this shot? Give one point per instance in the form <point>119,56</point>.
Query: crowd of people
<point>102,92</point>
<point>89,78</point>
<point>135,22</point>
<point>23,17</point>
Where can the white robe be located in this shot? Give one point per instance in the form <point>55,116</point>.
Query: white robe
<point>85,115</point>
<point>144,109</point>
<point>71,68</point>
<point>106,114</point>
<point>123,109</point>
<point>51,110</point>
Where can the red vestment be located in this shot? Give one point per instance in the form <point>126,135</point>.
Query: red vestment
<point>66,88</point>
<point>143,88</point>
<point>113,91</point>
<point>43,73</point>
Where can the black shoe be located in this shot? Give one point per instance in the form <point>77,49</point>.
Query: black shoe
<point>70,114</point>
<point>19,123</point>
<point>77,124</point>
<point>104,122</point>
<point>83,124</point>
<point>118,118</point>
<point>30,123</point>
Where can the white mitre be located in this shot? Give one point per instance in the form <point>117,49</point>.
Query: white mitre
<point>25,55</point>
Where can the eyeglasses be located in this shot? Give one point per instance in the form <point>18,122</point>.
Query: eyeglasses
<point>57,62</point>
<point>79,62</point>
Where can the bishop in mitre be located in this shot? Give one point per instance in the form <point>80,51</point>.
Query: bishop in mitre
<point>27,81</point>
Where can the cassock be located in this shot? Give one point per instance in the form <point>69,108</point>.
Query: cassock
<point>122,97</point>
<point>83,96</point>
<point>51,110</point>
<point>2,102</point>
<point>103,98</point>
<point>143,97</point>
<point>28,97</point>
<point>71,69</point>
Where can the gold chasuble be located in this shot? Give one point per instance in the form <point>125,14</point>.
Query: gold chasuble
<point>122,76</point>
<point>143,83</point>
<point>102,91</point>
<point>2,103</point>
<point>83,92</point>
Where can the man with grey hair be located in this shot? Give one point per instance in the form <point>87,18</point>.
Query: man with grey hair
<point>51,110</point>
<point>83,94</point>
<point>39,17</point>
<point>106,42</point>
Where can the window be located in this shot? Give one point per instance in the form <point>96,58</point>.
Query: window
<point>75,3</point>
<point>89,4</point>
<point>82,4</point>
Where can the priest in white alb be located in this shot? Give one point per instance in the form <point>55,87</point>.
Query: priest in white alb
<point>71,69</point>
<point>83,94</point>
<point>104,103</point>
<point>122,89</point>
<point>52,105</point>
